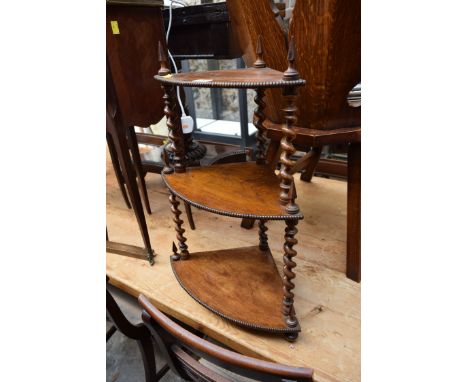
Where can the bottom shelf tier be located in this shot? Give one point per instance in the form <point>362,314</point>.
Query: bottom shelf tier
<point>241,285</point>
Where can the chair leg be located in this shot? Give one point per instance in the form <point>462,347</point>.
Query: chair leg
<point>117,169</point>
<point>149,362</point>
<point>139,332</point>
<point>353,255</point>
<point>133,145</point>
<point>306,176</point>
<point>188,211</point>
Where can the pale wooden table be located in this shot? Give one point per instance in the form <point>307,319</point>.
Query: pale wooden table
<point>327,303</point>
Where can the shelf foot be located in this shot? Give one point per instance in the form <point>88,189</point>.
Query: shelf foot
<point>175,255</point>
<point>291,337</point>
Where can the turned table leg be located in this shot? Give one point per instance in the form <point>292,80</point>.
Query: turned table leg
<point>288,276</point>
<point>184,253</point>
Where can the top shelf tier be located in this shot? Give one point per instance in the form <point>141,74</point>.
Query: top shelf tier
<point>250,78</point>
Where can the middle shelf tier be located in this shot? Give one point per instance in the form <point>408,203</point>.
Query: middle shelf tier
<point>243,190</point>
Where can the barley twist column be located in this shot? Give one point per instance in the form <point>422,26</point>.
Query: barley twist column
<point>259,118</point>
<point>184,253</point>
<point>175,135</point>
<point>288,273</point>
<point>263,237</point>
<point>290,109</point>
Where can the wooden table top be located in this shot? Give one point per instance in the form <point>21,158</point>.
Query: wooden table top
<point>327,303</point>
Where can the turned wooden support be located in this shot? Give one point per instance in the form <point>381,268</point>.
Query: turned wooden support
<point>259,115</point>
<point>288,273</point>
<point>175,135</point>
<point>184,253</point>
<point>263,237</point>
<point>259,118</point>
<point>290,110</point>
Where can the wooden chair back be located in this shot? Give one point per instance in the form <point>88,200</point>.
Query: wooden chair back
<point>187,354</point>
<point>249,20</point>
<point>327,36</point>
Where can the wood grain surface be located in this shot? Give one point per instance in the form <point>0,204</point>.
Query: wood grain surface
<point>236,78</point>
<point>241,284</point>
<point>232,189</point>
<point>327,303</point>
<point>327,34</point>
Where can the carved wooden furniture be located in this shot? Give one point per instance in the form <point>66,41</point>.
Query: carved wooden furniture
<point>223,281</point>
<point>139,333</point>
<point>327,303</point>
<point>137,163</point>
<point>195,359</point>
<point>116,134</point>
<point>132,26</point>
<point>327,34</point>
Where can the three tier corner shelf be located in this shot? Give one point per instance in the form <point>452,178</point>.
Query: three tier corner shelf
<point>241,285</point>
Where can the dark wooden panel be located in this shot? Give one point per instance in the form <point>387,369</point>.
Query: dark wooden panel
<point>133,61</point>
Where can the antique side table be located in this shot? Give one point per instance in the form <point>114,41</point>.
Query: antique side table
<point>242,285</point>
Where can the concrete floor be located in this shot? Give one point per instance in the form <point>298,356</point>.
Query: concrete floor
<point>123,359</point>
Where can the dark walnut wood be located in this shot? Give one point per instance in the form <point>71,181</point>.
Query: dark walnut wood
<point>132,56</point>
<point>232,78</point>
<point>242,285</point>
<point>232,189</point>
<point>328,41</point>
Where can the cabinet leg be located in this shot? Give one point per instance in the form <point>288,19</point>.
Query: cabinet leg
<point>263,237</point>
<point>188,211</point>
<point>288,273</point>
<point>184,253</point>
